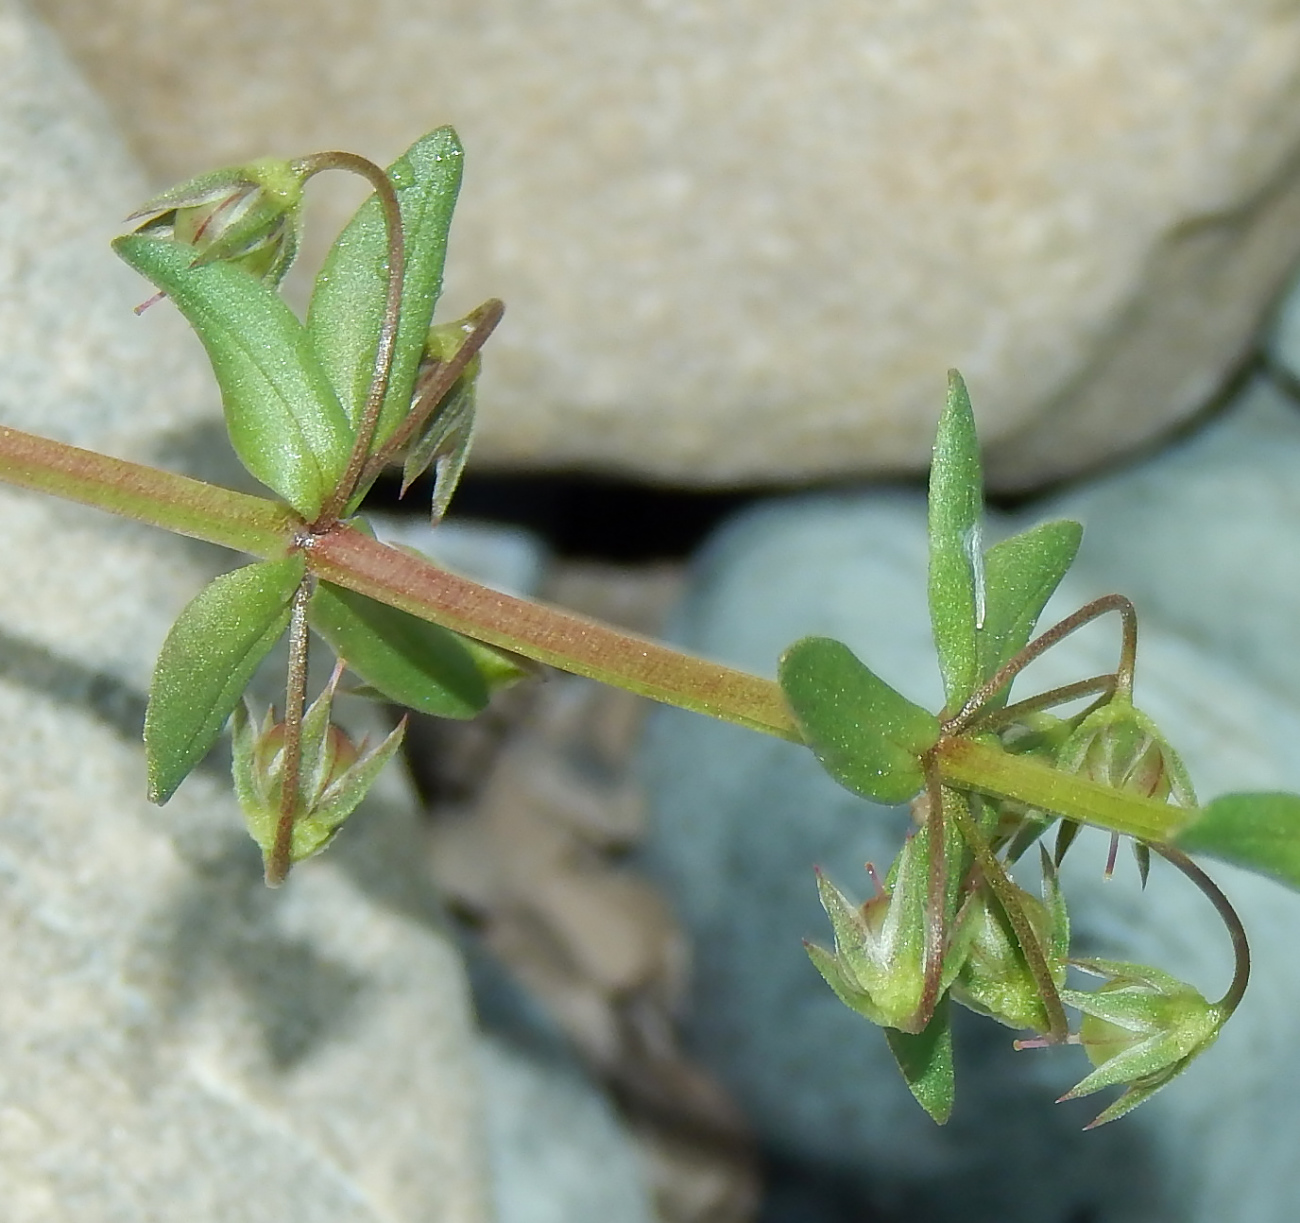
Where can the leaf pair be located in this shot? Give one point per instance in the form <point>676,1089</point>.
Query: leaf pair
<point>983,608</point>
<point>983,604</point>
<point>222,635</point>
<point>293,393</point>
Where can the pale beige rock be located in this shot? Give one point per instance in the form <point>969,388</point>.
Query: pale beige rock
<point>176,1041</point>
<point>744,241</point>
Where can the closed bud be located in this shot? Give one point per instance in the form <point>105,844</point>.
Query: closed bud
<point>248,215</point>
<point>1140,1029</point>
<point>334,775</point>
<point>878,965</point>
<point>995,978</point>
<point>1121,747</point>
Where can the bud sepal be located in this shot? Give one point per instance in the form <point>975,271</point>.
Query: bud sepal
<point>249,215</point>
<point>878,965</point>
<point>1142,1028</point>
<point>335,775</point>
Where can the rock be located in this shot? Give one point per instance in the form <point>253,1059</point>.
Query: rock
<point>1204,538</point>
<point>177,1041</point>
<point>740,820</point>
<point>1282,336</point>
<point>559,1153</point>
<point>739,248</point>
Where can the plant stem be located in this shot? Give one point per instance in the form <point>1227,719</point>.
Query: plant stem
<point>936,898</point>
<point>989,770</point>
<point>547,635</point>
<point>148,494</point>
<point>295,702</point>
<point>387,343</point>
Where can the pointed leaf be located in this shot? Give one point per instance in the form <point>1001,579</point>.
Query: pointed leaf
<point>956,581</point>
<point>208,660</point>
<point>1020,575</point>
<point>413,663</point>
<point>1258,831</point>
<point>346,795</point>
<point>867,736</point>
<point>926,1062</point>
<point>284,419</point>
<point>347,306</point>
<point>445,443</point>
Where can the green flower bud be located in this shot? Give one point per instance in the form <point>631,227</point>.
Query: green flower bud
<point>878,965</point>
<point>1119,746</point>
<point>249,215</point>
<point>334,775</point>
<point>995,978</point>
<point>1141,1028</point>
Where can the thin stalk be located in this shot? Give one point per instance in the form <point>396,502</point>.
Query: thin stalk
<point>995,875</point>
<point>383,367</point>
<point>993,719</point>
<point>936,899</point>
<point>548,635</point>
<point>1089,612</point>
<point>433,389</point>
<point>295,703</point>
<point>1236,931</point>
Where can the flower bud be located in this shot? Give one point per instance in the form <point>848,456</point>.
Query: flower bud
<point>248,215</point>
<point>1121,747</point>
<point>878,965</point>
<point>1141,1028</point>
<point>995,978</point>
<point>334,775</point>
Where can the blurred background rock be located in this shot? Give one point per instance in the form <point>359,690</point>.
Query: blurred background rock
<point>740,245</point>
<point>741,242</point>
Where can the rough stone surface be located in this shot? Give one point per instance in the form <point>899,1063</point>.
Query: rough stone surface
<point>1203,539</point>
<point>176,1041</point>
<point>559,1153</point>
<point>742,242</point>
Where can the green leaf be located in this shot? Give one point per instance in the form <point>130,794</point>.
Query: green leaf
<point>1020,575</point>
<point>347,305</point>
<point>1260,831</point>
<point>284,419</point>
<point>956,583</point>
<point>412,662</point>
<point>867,736</point>
<point>926,1061</point>
<point>208,660</point>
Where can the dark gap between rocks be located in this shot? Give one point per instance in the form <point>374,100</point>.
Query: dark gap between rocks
<point>591,517</point>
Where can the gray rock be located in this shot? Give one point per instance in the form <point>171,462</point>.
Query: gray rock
<point>742,242</point>
<point>176,1041</point>
<point>739,821</point>
<point>559,1155</point>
